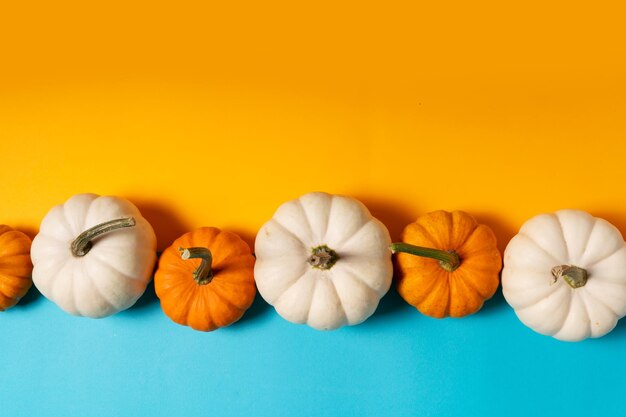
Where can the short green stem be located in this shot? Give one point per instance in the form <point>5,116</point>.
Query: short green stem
<point>322,257</point>
<point>83,243</point>
<point>574,276</point>
<point>448,260</point>
<point>203,274</point>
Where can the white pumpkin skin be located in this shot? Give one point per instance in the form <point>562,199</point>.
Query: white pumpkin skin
<point>348,292</point>
<point>115,271</point>
<point>550,305</point>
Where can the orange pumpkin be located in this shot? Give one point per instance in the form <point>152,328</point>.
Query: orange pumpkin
<point>15,266</point>
<point>205,279</point>
<point>456,268</point>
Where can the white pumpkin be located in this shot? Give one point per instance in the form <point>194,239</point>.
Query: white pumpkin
<point>323,260</point>
<point>565,275</point>
<point>90,269</point>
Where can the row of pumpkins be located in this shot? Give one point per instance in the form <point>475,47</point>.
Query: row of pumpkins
<point>322,260</point>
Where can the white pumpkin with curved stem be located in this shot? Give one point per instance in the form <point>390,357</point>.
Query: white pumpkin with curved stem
<point>323,260</point>
<point>565,275</point>
<point>93,256</point>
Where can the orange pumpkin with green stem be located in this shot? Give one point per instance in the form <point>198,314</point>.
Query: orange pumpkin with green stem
<point>205,279</point>
<point>15,266</point>
<point>447,264</point>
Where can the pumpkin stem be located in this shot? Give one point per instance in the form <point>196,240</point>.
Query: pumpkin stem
<point>574,276</point>
<point>322,257</point>
<point>203,274</point>
<point>83,243</point>
<point>448,260</point>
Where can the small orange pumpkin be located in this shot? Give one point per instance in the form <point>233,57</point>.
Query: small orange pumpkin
<point>205,279</point>
<point>456,268</point>
<point>15,266</point>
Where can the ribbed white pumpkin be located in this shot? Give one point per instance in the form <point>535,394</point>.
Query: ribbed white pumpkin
<point>310,231</point>
<point>114,272</point>
<point>535,285</point>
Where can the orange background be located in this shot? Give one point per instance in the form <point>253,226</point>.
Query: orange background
<point>216,114</point>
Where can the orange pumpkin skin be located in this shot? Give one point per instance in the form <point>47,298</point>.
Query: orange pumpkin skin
<point>15,266</point>
<point>424,284</point>
<point>222,301</point>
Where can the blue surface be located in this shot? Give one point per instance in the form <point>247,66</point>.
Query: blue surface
<point>398,363</point>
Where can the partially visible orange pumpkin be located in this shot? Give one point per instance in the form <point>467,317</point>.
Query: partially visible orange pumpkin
<point>205,279</point>
<point>15,266</point>
<point>457,267</point>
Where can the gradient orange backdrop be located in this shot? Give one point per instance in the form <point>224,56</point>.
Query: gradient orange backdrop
<point>206,114</point>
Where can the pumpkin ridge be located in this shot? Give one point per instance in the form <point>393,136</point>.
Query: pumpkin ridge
<point>430,241</point>
<point>210,237</point>
<point>200,314</point>
<point>233,314</point>
<point>565,319</point>
<point>468,238</point>
<point>617,289</point>
<point>5,295</point>
<point>294,283</point>
<point>545,251</point>
<point>14,262</point>
<point>68,223</point>
<point>74,288</point>
<point>127,279</point>
<point>315,291</point>
<point>468,283</point>
<point>289,232</point>
<point>310,295</point>
<point>567,251</point>
<point>8,302</point>
<point>357,276</point>
<point>431,264</point>
<point>47,263</point>
<point>232,260</point>
<point>583,255</point>
<point>226,246</point>
<point>318,232</point>
<point>221,293</point>
<point>59,216</point>
<point>307,221</point>
<point>461,290</point>
<point>536,298</point>
<point>430,279</point>
<point>485,268</point>
<point>169,261</point>
<point>603,258</point>
<point>450,227</point>
<point>7,281</point>
<point>88,212</point>
<point>586,310</point>
<point>343,310</point>
<point>434,296</point>
<point>51,277</point>
<point>13,276</point>
<point>436,234</point>
<point>114,268</point>
<point>8,246</point>
<point>181,306</point>
<point>457,224</point>
<point>554,294</point>
<point>586,240</point>
<point>231,275</point>
<point>330,214</point>
<point>185,241</point>
<point>183,303</point>
<point>343,243</point>
<point>600,301</point>
<point>265,264</point>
